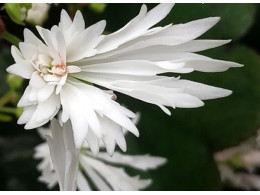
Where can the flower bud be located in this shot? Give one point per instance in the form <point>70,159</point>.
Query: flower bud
<point>38,14</point>
<point>17,11</point>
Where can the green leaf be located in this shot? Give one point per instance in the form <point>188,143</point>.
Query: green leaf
<point>17,11</point>
<point>236,19</point>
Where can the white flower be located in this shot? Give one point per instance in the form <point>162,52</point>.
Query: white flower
<point>238,165</point>
<point>70,63</point>
<point>100,169</point>
<point>38,13</point>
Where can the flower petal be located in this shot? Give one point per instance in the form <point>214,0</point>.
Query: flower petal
<point>57,152</point>
<point>112,134</point>
<point>64,155</point>
<point>135,27</point>
<point>116,177</point>
<point>81,46</point>
<point>142,162</point>
<point>97,180</point>
<point>22,68</point>
<point>45,92</point>
<point>26,115</point>
<point>44,112</point>
<point>93,142</point>
<point>25,101</point>
<point>36,81</point>
<point>82,183</point>
<point>17,55</point>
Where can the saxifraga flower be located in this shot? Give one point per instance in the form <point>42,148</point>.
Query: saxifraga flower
<point>60,163</point>
<point>68,66</point>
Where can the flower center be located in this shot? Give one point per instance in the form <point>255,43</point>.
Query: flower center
<point>58,70</point>
<point>50,69</point>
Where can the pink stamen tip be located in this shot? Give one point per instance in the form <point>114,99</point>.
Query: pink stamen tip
<point>60,67</point>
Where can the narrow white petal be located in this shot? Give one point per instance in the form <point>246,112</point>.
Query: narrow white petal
<point>45,92</point>
<point>116,177</point>
<point>48,176</point>
<point>148,92</point>
<point>142,162</point>
<point>44,112</point>
<point>78,23</point>
<point>57,151</point>
<point>93,142</point>
<point>72,158</point>
<point>199,90</point>
<point>16,54</point>
<point>97,180</point>
<point>154,54</point>
<point>61,47</point>
<point>29,37</point>
<point>61,83</point>
<point>33,94</point>
<point>36,81</point>
<point>50,40</point>
<point>77,114</point>
<point>65,20</point>
<point>65,109</point>
<point>24,100</point>
<point>199,45</point>
<point>135,67</point>
<point>135,27</point>
<point>51,78</point>
<point>112,134</point>
<point>64,155</point>
<point>26,115</point>
<point>81,46</point>
<point>82,183</point>
<point>28,50</point>
<point>73,69</point>
<point>171,35</point>
<point>22,68</point>
<point>210,65</point>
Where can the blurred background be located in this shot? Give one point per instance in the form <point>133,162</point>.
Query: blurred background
<point>214,147</point>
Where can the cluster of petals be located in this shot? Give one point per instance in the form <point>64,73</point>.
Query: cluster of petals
<point>61,159</point>
<point>69,63</point>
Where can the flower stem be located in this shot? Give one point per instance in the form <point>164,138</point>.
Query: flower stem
<point>8,110</point>
<point>11,38</point>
